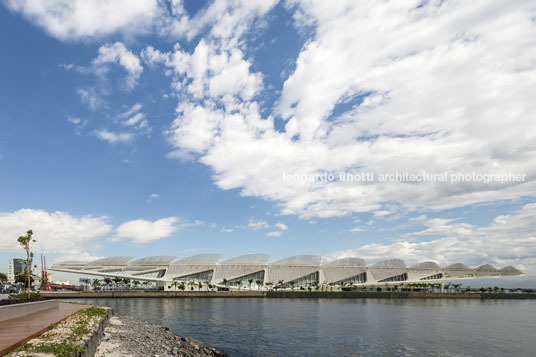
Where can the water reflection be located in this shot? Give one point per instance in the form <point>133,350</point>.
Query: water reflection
<point>341,327</point>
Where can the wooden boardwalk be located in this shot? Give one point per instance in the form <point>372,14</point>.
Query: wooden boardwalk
<point>15,332</point>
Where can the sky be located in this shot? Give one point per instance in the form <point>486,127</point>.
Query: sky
<point>377,129</point>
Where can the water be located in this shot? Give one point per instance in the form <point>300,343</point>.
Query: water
<point>344,327</point>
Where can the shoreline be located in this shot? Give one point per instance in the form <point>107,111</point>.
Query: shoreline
<point>285,294</point>
<point>129,336</point>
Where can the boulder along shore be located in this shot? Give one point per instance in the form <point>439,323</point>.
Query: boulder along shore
<point>127,336</point>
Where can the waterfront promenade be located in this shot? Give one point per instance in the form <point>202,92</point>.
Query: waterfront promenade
<point>281,294</point>
<point>15,332</point>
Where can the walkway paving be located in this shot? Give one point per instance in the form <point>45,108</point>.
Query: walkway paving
<point>15,332</point>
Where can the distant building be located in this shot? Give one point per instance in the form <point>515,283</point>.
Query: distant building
<point>15,267</point>
<point>253,271</point>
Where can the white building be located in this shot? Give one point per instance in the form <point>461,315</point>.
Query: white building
<point>253,271</point>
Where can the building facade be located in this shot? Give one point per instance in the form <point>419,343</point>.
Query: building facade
<point>205,271</point>
<point>15,267</point>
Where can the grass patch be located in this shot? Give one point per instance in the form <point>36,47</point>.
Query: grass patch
<point>60,349</point>
<point>22,296</point>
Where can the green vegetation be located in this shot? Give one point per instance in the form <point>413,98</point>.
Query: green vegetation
<point>25,242</point>
<point>3,277</point>
<point>93,311</point>
<point>62,349</point>
<point>29,295</point>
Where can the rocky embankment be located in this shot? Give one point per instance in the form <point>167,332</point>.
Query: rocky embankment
<point>127,336</point>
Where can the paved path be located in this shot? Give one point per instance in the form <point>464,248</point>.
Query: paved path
<point>15,332</point>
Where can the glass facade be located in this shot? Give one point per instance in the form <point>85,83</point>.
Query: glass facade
<point>303,282</point>
<point>204,276</point>
<point>356,279</point>
<point>401,277</point>
<point>244,280</point>
<point>433,277</point>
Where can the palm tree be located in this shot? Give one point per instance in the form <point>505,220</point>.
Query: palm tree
<point>126,282</point>
<point>117,281</point>
<point>200,285</point>
<point>95,283</point>
<point>182,286</point>
<point>269,285</point>
<point>279,283</point>
<point>259,283</point>
<point>136,283</point>
<point>250,281</point>
<point>108,281</point>
<point>146,284</point>
<point>175,284</point>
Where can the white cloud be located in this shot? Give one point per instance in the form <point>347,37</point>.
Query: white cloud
<point>119,54</point>
<point>112,137</point>
<point>90,97</point>
<point>256,225</point>
<point>274,234</point>
<point>79,19</point>
<point>438,87</point>
<point>131,111</point>
<point>74,120</point>
<point>507,240</point>
<point>143,231</point>
<point>357,229</point>
<point>281,226</point>
<point>152,197</point>
<point>78,123</point>
<point>226,230</point>
<point>56,232</point>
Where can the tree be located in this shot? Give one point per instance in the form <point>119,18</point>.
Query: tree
<point>250,281</point>
<point>259,283</point>
<point>25,241</point>
<point>126,282</point>
<point>3,277</point>
<point>95,283</point>
<point>23,278</point>
<point>108,281</point>
<point>117,281</point>
<point>279,284</point>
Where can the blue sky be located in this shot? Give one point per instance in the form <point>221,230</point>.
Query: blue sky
<point>167,128</point>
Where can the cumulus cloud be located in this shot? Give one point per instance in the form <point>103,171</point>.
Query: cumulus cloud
<point>153,197</point>
<point>118,53</point>
<point>144,231</point>
<point>281,226</point>
<point>380,87</point>
<point>112,137</point>
<point>256,225</point>
<point>507,240</point>
<point>275,234</point>
<point>56,232</point>
<point>80,19</point>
